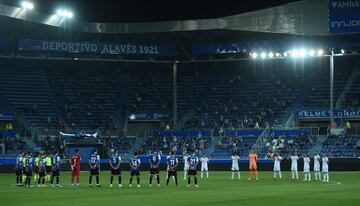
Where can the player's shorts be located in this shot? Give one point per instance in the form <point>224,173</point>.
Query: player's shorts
<point>18,172</point>
<point>135,173</point>
<point>277,168</point>
<point>75,172</point>
<point>235,168</point>
<point>325,169</point>
<point>294,167</point>
<point>306,169</point>
<point>172,173</point>
<point>55,173</point>
<point>192,172</point>
<point>316,168</point>
<point>186,167</point>
<point>37,169</point>
<point>29,173</point>
<point>204,169</point>
<point>115,171</point>
<point>94,171</point>
<point>252,167</point>
<point>154,171</point>
<point>48,169</point>
<point>42,173</point>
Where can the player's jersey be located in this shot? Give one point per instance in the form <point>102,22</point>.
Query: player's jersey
<point>55,162</point>
<point>277,162</point>
<point>172,162</point>
<point>317,162</point>
<point>115,160</point>
<point>204,162</point>
<point>294,161</point>
<point>36,161</point>
<point>253,158</point>
<point>75,160</point>
<point>95,161</point>
<point>325,162</point>
<point>306,164</point>
<point>42,164</point>
<point>19,162</point>
<point>28,163</point>
<point>135,163</point>
<point>235,160</point>
<point>48,161</point>
<point>193,161</point>
<point>155,160</point>
<point>186,164</point>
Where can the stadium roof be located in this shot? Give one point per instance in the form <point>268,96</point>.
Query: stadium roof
<point>307,17</point>
<point>124,11</point>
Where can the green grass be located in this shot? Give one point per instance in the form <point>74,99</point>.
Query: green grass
<point>219,189</point>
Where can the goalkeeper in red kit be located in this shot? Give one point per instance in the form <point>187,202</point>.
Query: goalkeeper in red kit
<point>75,167</point>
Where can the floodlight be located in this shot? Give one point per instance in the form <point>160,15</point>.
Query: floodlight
<point>27,5</point>
<point>342,51</point>
<point>254,55</point>
<point>320,52</point>
<point>285,54</point>
<point>302,53</point>
<point>263,55</point>
<point>64,13</point>
<point>294,53</point>
<point>311,52</point>
<point>277,54</point>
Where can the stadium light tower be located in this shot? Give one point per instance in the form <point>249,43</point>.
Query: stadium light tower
<point>27,5</point>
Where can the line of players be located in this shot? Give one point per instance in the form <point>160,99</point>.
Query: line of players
<point>45,164</point>
<point>294,166</point>
<point>307,175</point>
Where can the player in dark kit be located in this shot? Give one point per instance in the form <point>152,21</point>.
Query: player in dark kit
<point>42,170</point>
<point>135,170</point>
<point>114,162</point>
<point>193,161</point>
<point>28,168</point>
<point>55,163</point>
<point>172,163</point>
<point>154,161</point>
<point>94,163</point>
<point>19,169</point>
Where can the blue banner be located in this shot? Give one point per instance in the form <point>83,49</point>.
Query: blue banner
<point>344,16</point>
<point>6,116</point>
<point>346,113</point>
<point>150,116</point>
<point>95,47</point>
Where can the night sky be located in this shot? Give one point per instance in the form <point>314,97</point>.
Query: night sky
<point>150,10</point>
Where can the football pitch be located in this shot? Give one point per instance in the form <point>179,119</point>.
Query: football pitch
<point>219,189</point>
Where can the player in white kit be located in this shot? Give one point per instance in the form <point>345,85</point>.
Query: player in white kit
<point>204,166</point>
<point>325,168</point>
<point>186,165</point>
<point>307,174</point>
<point>235,159</point>
<point>277,167</point>
<point>317,159</point>
<point>294,166</point>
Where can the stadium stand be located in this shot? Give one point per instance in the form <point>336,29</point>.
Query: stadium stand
<point>225,96</point>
